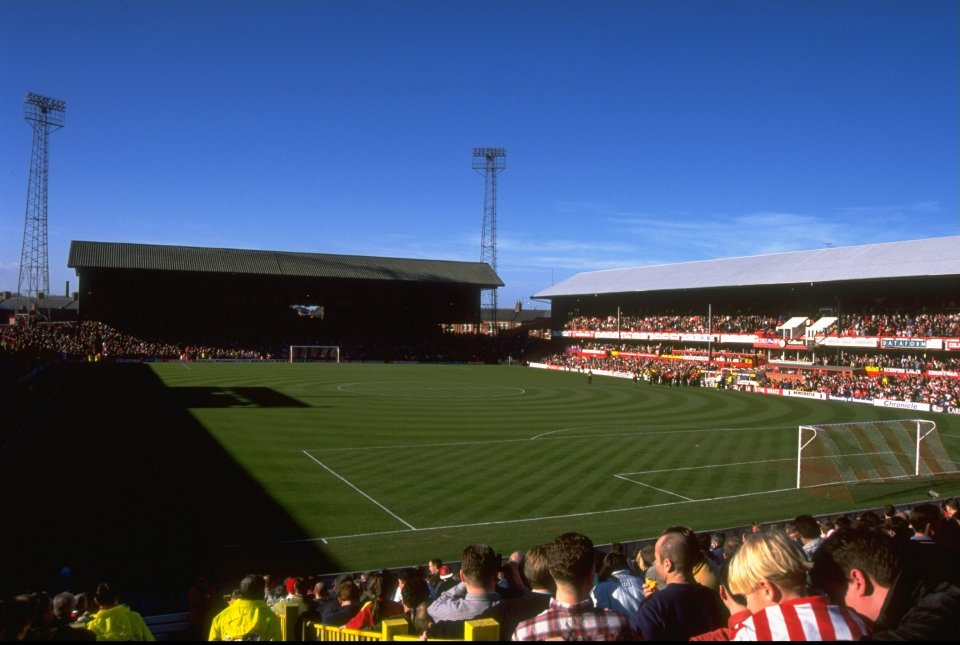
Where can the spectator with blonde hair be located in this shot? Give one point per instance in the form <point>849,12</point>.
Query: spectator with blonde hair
<point>770,570</point>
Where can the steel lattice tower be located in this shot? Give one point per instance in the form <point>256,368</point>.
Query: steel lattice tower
<point>489,162</point>
<point>45,115</point>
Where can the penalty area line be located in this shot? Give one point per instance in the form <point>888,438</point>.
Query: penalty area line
<point>351,485</point>
<point>660,490</point>
<point>330,538</point>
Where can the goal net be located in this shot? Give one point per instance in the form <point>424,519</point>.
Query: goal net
<point>870,451</point>
<point>314,353</point>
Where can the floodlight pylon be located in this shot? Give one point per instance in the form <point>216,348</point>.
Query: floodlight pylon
<point>45,115</point>
<point>489,162</point>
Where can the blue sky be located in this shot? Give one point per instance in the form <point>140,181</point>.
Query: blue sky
<point>637,132</point>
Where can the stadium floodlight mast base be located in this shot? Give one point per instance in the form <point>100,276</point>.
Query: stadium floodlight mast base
<point>314,353</point>
<point>870,451</point>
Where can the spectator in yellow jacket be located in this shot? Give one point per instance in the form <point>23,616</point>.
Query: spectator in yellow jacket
<point>116,622</point>
<point>249,617</point>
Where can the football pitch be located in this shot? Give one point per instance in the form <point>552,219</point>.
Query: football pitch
<point>222,468</point>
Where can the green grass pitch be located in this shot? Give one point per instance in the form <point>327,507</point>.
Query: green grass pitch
<point>221,468</point>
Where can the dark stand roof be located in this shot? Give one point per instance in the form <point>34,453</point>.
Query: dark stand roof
<point>152,257</point>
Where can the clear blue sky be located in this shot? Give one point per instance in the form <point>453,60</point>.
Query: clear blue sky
<point>637,132</point>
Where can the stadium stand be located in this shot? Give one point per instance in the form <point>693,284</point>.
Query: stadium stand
<point>176,627</point>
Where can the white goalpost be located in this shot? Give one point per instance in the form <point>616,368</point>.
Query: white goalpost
<point>314,353</point>
<point>870,451</point>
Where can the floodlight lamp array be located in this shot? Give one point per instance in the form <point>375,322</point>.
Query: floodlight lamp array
<point>489,158</point>
<point>45,110</point>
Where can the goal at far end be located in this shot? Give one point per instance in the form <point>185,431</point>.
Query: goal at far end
<point>870,451</point>
<point>314,353</point>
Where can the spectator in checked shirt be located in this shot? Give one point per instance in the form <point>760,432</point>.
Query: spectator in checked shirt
<point>571,615</point>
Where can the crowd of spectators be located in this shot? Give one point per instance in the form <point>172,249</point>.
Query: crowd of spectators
<point>897,361</point>
<point>25,346</point>
<point>650,370</point>
<point>935,390</point>
<point>666,349</point>
<point>91,340</point>
<point>912,384</point>
<point>941,391</point>
<point>901,325</point>
<point>847,359</point>
<point>920,325</point>
<point>884,575</point>
<point>727,324</point>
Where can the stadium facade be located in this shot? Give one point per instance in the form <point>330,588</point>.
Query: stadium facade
<point>914,275</point>
<point>214,294</point>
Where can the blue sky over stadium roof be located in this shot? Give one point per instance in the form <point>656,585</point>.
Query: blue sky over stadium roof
<point>637,133</point>
<point>930,258</point>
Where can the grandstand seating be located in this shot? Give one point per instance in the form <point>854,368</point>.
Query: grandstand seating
<point>799,356</point>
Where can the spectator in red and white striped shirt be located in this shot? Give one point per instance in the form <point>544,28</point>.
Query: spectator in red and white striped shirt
<point>770,569</point>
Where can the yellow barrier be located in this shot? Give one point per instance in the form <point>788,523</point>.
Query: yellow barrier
<point>288,623</point>
<point>483,629</point>
<point>395,629</point>
<point>388,630</point>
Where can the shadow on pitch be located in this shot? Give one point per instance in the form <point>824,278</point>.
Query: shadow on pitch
<point>114,478</point>
<point>233,397</point>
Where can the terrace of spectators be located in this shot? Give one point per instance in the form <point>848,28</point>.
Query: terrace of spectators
<point>187,614</point>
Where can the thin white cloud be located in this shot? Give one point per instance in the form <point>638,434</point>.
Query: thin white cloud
<point>891,210</point>
<point>617,238</point>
